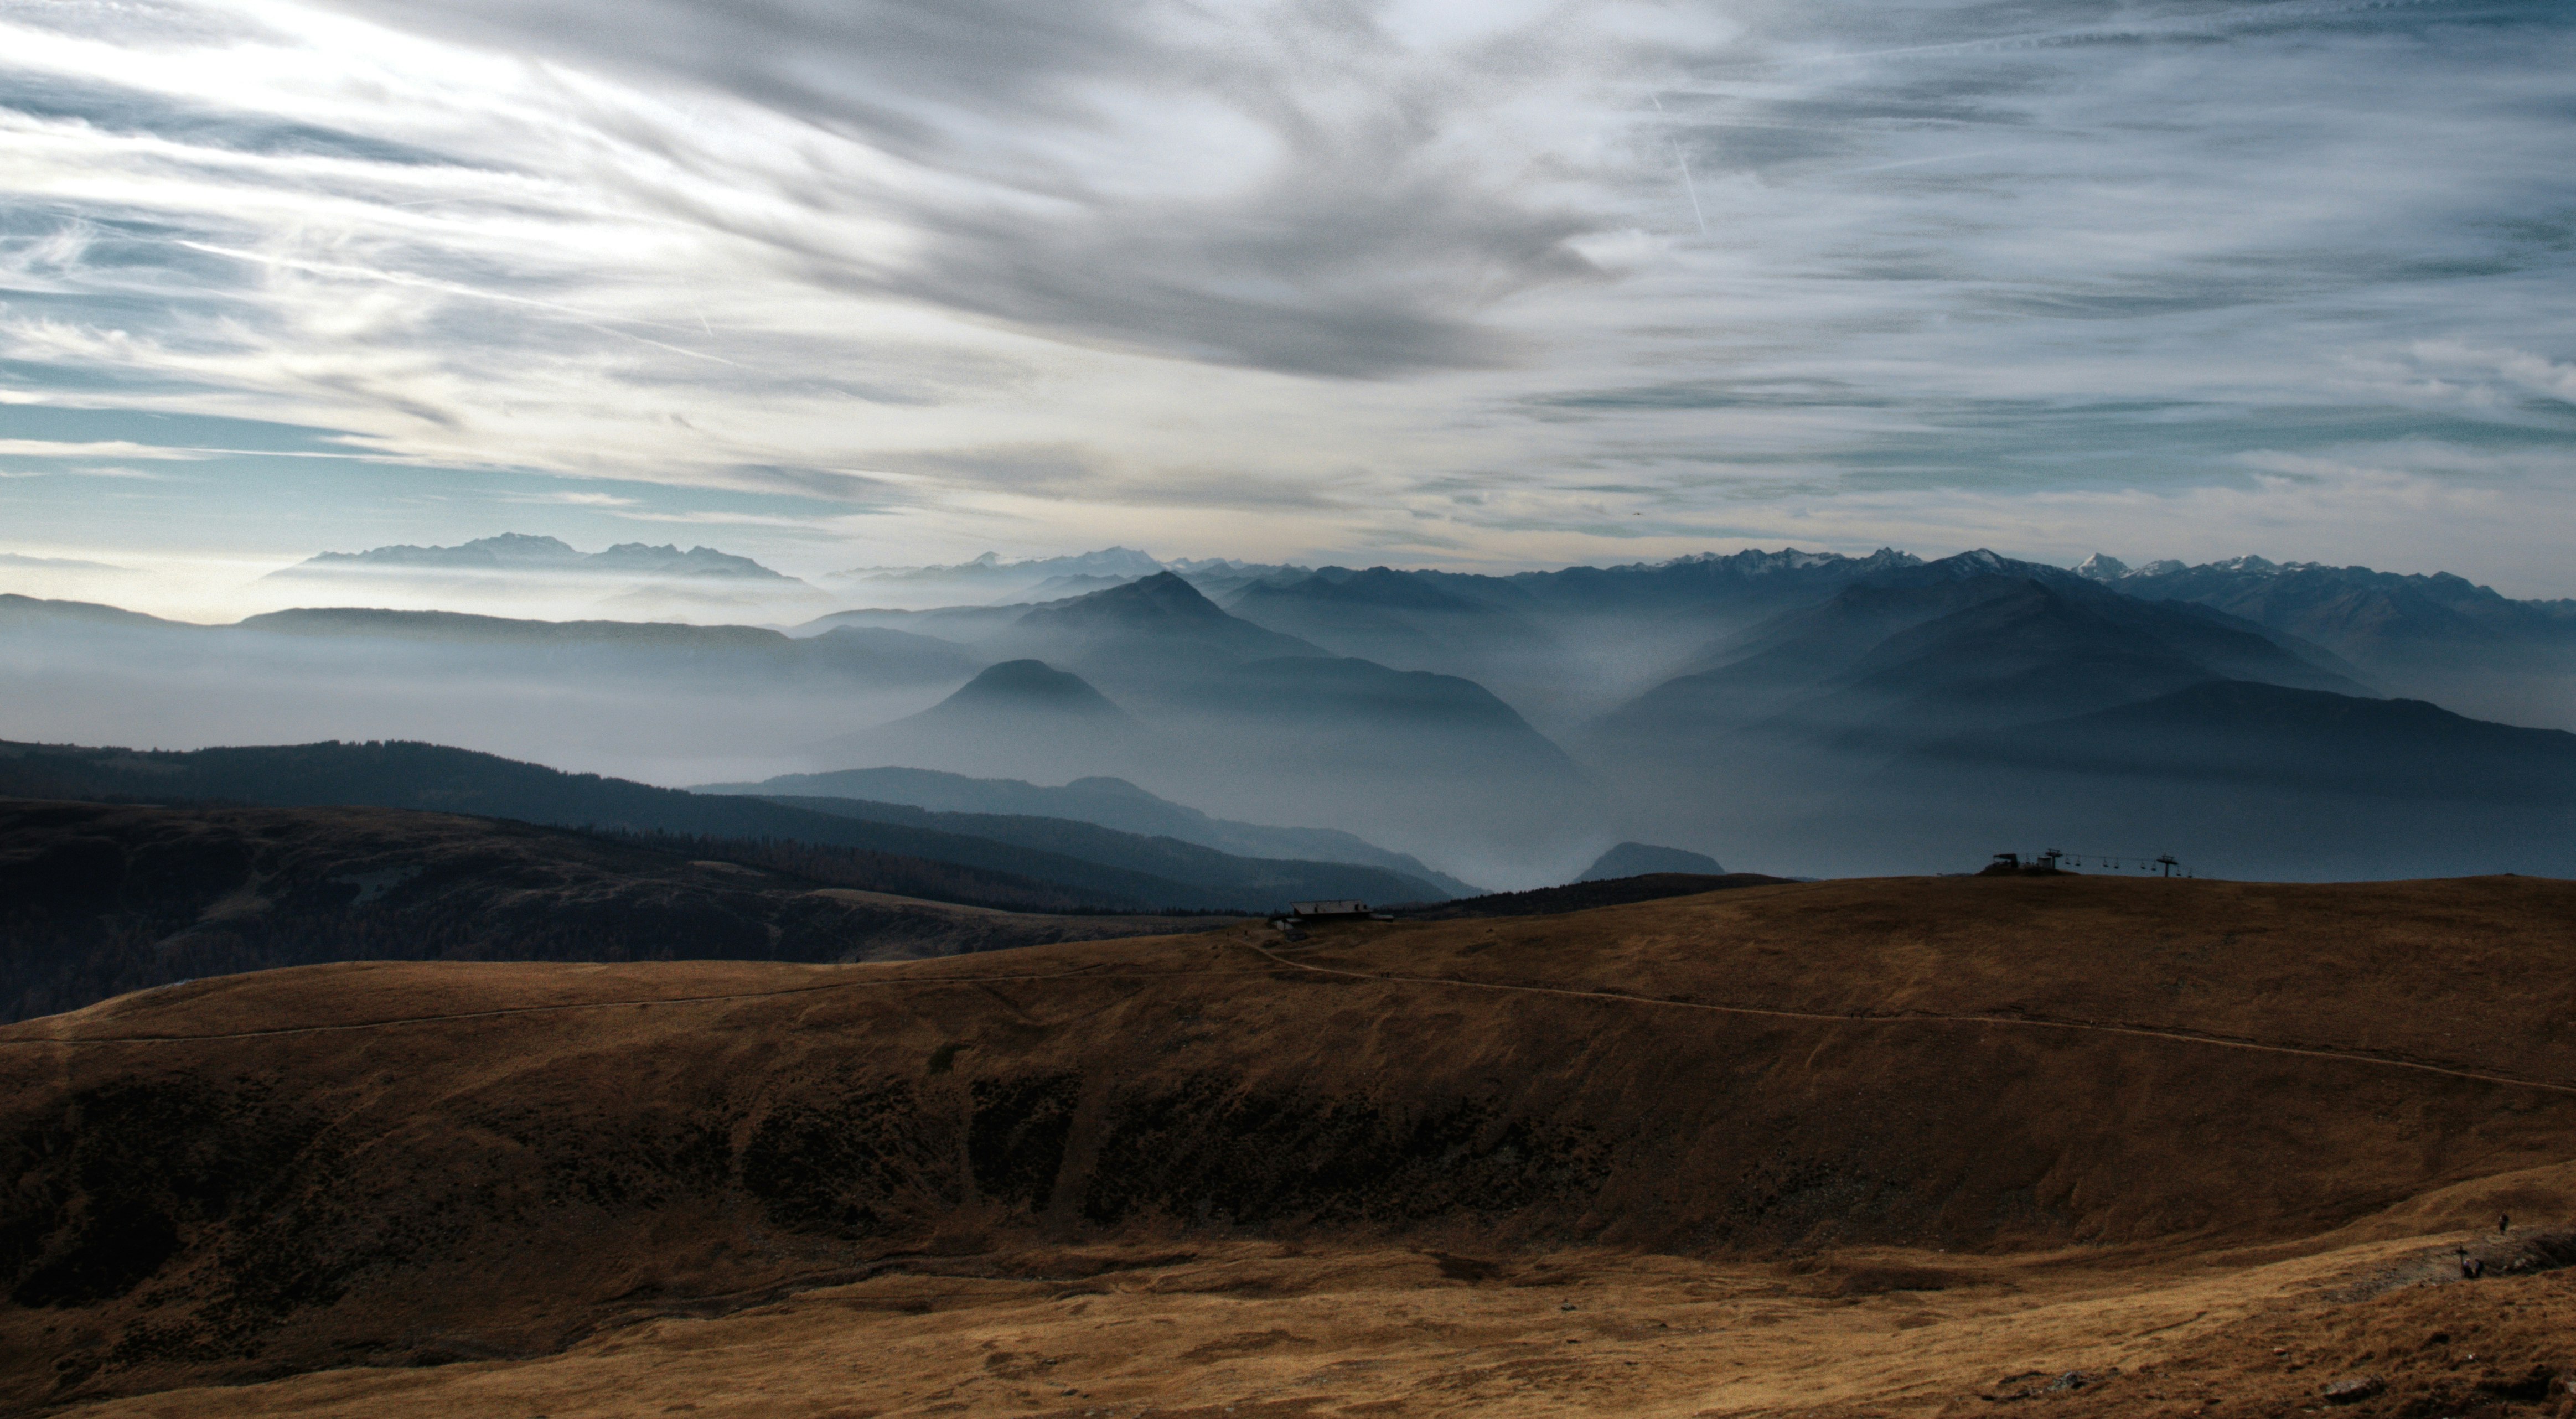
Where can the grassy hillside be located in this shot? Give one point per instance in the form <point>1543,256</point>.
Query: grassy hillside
<point>392,1162</point>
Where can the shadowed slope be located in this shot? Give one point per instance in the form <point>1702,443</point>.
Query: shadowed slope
<point>1109,802</point>
<point>2265,779</point>
<point>314,1167</point>
<point>436,778</point>
<point>1257,884</point>
<point>100,899</point>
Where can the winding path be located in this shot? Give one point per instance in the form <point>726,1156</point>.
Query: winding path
<point>1861,1018</point>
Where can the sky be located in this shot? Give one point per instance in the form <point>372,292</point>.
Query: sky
<point>840,283</point>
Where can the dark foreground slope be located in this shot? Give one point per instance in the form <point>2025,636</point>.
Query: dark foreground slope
<point>403,1163</point>
<point>1091,866</point>
<point>100,899</point>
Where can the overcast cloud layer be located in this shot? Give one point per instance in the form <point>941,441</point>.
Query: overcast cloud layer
<point>840,282</point>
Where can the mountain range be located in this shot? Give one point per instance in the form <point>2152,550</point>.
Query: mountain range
<point>1802,712</point>
<point>2439,637</point>
<point>515,569</point>
<point>1981,698</point>
<point>514,551</point>
<point>989,579</point>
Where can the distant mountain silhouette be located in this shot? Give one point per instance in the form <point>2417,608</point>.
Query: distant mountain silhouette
<point>1020,685</point>
<point>446,643</point>
<point>1107,561</point>
<point>1058,588</point>
<point>1619,631</point>
<point>430,777</point>
<point>667,560</point>
<point>30,613</point>
<point>973,625</point>
<point>1763,705</point>
<point>1342,606</point>
<point>515,550</point>
<point>1644,859</point>
<point>1212,875</point>
<point>1340,711</point>
<point>1977,696</point>
<point>518,552</point>
<point>904,654</point>
<point>1021,716</point>
<point>2357,612</point>
<point>1969,642</point>
<point>2254,780</point>
<point>2231,732</point>
<point>1236,716</point>
<point>1700,582</point>
<point>1709,581</point>
<point>1406,756</point>
<point>1109,802</point>
<point>2439,636</point>
<point>1145,634</point>
<point>990,578</point>
<point>1407,621</point>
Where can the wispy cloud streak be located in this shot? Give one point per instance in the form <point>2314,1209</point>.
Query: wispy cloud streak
<point>1408,277</point>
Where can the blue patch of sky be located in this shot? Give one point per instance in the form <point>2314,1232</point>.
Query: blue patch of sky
<point>54,423</point>
<point>136,111</point>
<point>290,490</point>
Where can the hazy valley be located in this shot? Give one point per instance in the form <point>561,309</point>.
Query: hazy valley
<point>1788,712</point>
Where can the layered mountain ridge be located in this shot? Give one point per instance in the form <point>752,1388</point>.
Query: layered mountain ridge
<point>1088,866</point>
<point>1787,710</point>
<point>514,551</point>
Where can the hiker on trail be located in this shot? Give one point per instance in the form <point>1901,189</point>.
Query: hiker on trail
<point>2470,1267</point>
<point>2504,1222</point>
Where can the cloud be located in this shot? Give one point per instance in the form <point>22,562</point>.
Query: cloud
<point>63,564</point>
<point>1493,282</point>
<point>1292,187</point>
<point>106,448</point>
<point>568,498</point>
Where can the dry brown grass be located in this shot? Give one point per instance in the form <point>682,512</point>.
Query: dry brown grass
<point>1995,1128</point>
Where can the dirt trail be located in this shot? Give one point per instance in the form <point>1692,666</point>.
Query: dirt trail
<point>1607,996</point>
<point>569,1006</point>
<point>1599,995</point>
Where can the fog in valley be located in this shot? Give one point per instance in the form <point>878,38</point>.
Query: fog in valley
<point>1784,712</point>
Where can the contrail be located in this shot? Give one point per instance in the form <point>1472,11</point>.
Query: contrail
<point>1683,158</point>
<point>1692,189</point>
